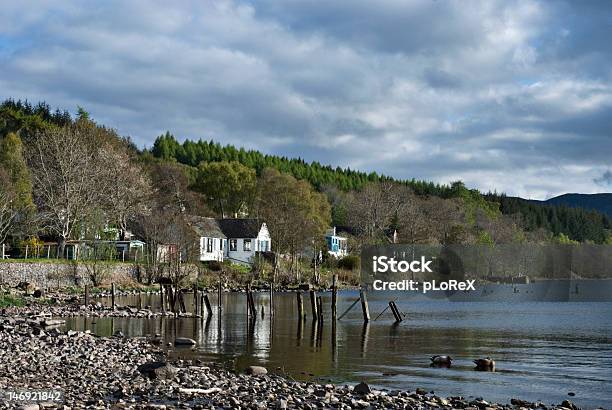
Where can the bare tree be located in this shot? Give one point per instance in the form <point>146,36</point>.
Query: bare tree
<point>378,207</point>
<point>8,212</point>
<point>130,195</point>
<point>445,219</point>
<point>71,174</point>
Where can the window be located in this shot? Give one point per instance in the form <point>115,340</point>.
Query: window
<point>209,245</point>
<point>247,245</point>
<point>233,245</point>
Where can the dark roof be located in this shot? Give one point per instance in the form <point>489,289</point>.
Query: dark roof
<point>240,228</point>
<point>207,227</point>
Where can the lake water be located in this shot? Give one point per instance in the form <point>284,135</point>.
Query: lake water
<point>543,350</point>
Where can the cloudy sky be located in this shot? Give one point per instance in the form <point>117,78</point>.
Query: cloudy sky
<point>513,96</point>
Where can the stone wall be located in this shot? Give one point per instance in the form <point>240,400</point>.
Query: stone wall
<point>57,274</point>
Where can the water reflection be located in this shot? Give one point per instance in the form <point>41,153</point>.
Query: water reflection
<point>542,350</point>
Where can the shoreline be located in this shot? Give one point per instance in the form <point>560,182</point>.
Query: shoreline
<point>118,372</point>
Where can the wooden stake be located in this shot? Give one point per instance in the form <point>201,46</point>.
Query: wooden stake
<point>219,292</point>
<point>86,295</point>
<point>364,306</point>
<point>208,307</point>
<point>395,311</point>
<point>161,296</point>
<point>113,295</point>
<point>181,301</point>
<point>313,304</point>
<point>334,296</point>
<point>320,309</point>
<point>349,308</point>
<point>248,300</point>
<point>195,300</point>
<point>300,304</point>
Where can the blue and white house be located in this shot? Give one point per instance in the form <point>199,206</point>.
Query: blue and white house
<point>337,246</point>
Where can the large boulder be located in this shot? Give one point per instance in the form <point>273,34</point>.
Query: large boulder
<point>158,370</point>
<point>256,370</point>
<point>362,388</point>
<point>184,341</point>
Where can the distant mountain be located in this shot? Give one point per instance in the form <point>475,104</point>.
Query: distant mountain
<point>599,202</point>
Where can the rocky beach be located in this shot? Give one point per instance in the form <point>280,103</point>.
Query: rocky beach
<point>118,372</point>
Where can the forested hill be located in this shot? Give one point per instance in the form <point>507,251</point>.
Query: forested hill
<point>578,224</point>
<point>194,152</point>
<point>598,202</point>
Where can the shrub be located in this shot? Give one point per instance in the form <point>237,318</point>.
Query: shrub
<point>214,266</point>
<point>350,262</point>
<point>33,245</point>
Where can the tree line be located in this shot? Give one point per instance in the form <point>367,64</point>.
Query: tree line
<point>577,224</point>
<point>68,177</point>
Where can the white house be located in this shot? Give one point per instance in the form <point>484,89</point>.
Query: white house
<point>212,241</point>
<point>245,237</point>
<point>237,240</point>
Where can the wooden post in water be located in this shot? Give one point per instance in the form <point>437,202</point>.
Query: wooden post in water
<point>334,296</point>
<point>300,304</point>
<point>219,292</point>
<point>364,306</point>
<point>181,300</point>
<point>248,300</point>
<point>207,304</point>
<point>313,304</point>
<point>113,295</point>
<point>251,302</point>
<point>161,297</point>
<point>320,309</point>
<point>395,311</point>
<point>86,295</point>
<point>272,296</point>
<point>171,299</point>
<point>195,299</point>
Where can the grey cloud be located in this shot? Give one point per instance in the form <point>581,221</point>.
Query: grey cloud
<point>505,95</point>
<point>605,179</point>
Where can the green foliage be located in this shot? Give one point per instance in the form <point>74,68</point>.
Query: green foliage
<point>81,113</point>
<point>194,152</point>
<point>228,186</point>
<point>9,300</point>
<point>33,245</point>
<point>296,214</point>
<point>578,224</point>
<point>349,262</point>
<point>484,238</point>
<point>13,162</point>
<point>563,239</point>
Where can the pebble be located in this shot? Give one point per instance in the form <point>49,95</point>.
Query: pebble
<point>133,373</point>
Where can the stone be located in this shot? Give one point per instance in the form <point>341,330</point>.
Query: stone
<point>421,391</point>
<point>568,404</point>
<point>37,293</point>
<point>158,370</point>
<point>29,407</point>
<point>118,333</point>
<point>184,341</point>
<point>256,370</point>
<point>362,388</point>
<point>53,322</point>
